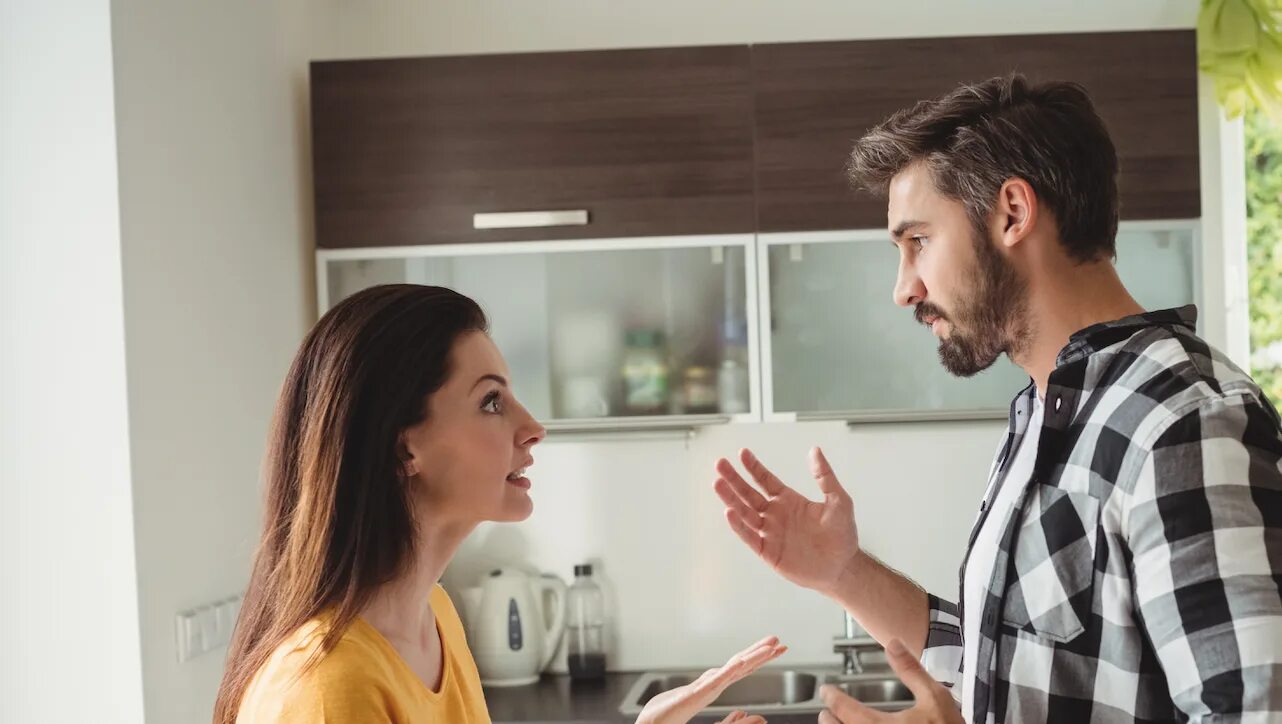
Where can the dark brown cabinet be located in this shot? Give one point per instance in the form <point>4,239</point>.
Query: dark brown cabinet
<point>814,99</point>
<point>707,140</point>
<point>647,142</point>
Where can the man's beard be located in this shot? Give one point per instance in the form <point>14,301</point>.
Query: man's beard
<point>990,321</point>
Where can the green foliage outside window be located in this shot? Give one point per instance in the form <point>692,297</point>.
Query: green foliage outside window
<point>1264,249</point>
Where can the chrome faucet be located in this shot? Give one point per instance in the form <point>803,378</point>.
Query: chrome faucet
<point>852,645</point>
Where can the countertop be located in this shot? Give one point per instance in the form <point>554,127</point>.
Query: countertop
<point>558,700</point>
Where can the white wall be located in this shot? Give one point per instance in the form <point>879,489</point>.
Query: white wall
<point>685,591</point>
<point>215,300</point>
<point>446,27</point>
<point>68,605</point>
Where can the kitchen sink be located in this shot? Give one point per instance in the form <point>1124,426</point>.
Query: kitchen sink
<point>768,687</point>
<point>778,690</point>
<point>875,691</point>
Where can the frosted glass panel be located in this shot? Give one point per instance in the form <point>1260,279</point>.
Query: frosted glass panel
<point>1158,267</point>
<point>576,326</point>
<point>840,344</point>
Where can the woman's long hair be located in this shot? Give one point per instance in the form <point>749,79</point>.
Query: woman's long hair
<point>338,521</point>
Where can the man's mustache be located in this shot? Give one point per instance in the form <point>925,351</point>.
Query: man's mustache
<point>926,309</point>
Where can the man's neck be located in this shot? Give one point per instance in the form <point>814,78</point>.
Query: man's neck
<point>1067,302</point>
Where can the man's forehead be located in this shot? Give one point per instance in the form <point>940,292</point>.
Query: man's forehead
<point>912,196</point>
<point>903,198</point>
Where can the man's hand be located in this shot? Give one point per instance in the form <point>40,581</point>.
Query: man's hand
<point>934,705</point>
<point>807,542</point>
<point>680,705</point>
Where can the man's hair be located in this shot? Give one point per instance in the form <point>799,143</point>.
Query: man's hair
<point>978,136</point>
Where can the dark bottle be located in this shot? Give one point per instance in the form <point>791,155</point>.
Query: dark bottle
<point>585,627</point>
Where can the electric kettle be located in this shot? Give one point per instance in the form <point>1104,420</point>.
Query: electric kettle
<point>515,622</point>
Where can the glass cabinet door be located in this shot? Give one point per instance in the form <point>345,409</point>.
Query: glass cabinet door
<point>1160,263</point>
<point>598,335</point>
<point>838,347</point>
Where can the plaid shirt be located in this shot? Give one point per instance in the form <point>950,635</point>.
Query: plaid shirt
<point>1139,577</point>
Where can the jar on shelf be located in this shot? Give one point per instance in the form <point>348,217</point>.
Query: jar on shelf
<point>645,373</point>
<point>699,390</point>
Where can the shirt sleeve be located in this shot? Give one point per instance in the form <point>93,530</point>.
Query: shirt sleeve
<point>1204,527</point>
<point>322,700</point>
<point>942,655</point>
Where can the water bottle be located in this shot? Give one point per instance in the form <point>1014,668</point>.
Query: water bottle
<point>585,626</point>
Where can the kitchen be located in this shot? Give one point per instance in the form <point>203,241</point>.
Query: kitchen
<point>236,195</point>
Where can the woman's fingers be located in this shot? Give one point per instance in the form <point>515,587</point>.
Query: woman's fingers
<point>747,662</point>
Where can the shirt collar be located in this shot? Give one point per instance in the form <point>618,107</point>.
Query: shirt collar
<point>1086,342</point>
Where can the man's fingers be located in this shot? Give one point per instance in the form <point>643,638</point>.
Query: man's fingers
<point>746,492</point>
<point>845,710</point>
<point>761,474</point>
<point>733,502</point>
<point>823,473</point>
<point>750,537</point>
<point>910,670</point>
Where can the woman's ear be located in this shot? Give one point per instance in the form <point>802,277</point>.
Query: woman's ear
<point>409,467</point>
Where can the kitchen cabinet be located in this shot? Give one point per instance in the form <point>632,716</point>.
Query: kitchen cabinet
<point>624,143</point>
<point>812,100</point>
<point>835,346</point>
<point>655,334</point>
<point>685,248</point>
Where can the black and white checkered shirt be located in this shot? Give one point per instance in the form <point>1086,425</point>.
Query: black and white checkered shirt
<point>1139,577</point>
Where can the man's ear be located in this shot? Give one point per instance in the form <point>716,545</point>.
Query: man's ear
<point>1016,210</point>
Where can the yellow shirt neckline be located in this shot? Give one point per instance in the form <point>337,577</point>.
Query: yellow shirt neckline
<point>394,655</point>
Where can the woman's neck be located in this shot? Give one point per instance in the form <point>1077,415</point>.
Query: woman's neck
<point>400,609</point>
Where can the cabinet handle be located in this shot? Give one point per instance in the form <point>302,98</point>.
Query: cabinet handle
<point>529,219</point>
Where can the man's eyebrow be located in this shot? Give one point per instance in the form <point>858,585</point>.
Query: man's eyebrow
<point>897,233</point>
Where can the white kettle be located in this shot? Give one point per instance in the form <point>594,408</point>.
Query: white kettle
<point>509,630</point>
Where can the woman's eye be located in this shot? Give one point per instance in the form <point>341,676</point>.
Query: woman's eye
<point>493,402</point>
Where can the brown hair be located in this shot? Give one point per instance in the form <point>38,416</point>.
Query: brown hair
<point>978,136</point>
<point>338,521</point>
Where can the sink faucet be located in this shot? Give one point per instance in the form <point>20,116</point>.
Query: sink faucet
<point>851,645</point>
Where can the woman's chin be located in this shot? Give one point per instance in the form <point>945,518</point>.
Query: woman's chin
<point>517,506</point>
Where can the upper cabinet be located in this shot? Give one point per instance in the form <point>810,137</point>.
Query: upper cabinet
<point>812,100</point>
<point>625,143</point>
<point>666,238</point>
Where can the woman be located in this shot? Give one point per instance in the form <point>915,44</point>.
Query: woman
<point>396,434</point>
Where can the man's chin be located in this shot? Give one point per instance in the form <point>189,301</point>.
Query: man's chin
<point>961,362</point>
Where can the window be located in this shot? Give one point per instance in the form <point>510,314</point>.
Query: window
<point>1264,249</point>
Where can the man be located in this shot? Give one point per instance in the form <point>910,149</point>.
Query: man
<point>1126,560</point>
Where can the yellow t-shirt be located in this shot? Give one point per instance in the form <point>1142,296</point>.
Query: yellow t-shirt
<point>364,679</point>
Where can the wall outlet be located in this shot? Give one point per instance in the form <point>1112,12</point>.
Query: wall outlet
<point>205,628</point>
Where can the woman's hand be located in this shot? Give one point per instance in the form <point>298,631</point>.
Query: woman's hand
<point>680,705</point>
